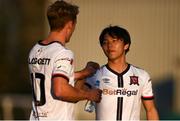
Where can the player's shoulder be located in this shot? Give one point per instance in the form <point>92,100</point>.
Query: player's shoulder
<point>101,70</point>
<point>34,48</point>
<point>102,67</point>
<point>54,48</point>
<point>49,46</point>
<point>57,48</point>
<point>138,70</point>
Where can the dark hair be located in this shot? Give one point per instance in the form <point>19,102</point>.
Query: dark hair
<point>116,32</point>
<point>59,13</point>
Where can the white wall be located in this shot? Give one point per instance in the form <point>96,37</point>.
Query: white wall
<point>154,27</point>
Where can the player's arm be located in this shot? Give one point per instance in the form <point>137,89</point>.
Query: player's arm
<point>82,84</point>
<point>151,111</point>
<point>62,90</point>
<point>148,99</point>
<point>89,70</point>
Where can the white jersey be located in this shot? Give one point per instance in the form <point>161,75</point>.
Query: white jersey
<point>45,62</point>
<point>122,92</point>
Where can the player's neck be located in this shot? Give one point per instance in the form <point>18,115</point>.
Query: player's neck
<point>55,36</point>
<point>118,65</point>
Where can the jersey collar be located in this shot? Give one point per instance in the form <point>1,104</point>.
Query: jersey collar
<point>117,72</point>
<point>40,43</point>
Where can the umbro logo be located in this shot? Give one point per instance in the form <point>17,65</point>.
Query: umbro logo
<point>106,80</point>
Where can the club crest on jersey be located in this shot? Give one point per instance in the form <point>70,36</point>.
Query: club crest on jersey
<point>134,80</point>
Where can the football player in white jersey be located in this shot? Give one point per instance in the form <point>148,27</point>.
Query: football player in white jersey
<point>124,86</point>
<point>51,67</point>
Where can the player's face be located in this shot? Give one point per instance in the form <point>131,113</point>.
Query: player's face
<point>113,48</point>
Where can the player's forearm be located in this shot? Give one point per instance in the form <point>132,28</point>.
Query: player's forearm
<point>152,115</point>
<point>79,75</point>
<point>151,111</point>
<point>81,84</point>
<point>74,95</point>
<point>71,95</point>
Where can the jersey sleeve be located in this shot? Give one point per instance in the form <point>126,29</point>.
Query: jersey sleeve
<point>147,93</point>
<point>63,65</point>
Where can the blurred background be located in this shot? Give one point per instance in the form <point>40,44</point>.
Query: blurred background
<point>154,26</point>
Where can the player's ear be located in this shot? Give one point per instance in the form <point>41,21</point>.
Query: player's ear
<point>68,27</point>
<point>126,46</point>
<point>70,24</point>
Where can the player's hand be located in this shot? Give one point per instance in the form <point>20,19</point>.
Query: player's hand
<point>92,67</point>
<point>95,95</point>
<point>89,70</point>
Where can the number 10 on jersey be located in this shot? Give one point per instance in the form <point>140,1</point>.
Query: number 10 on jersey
<point>38,87</point>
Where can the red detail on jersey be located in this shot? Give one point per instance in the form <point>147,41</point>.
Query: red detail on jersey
<point>147,97</point>
<point>60,75</point>
<point>134,80</point>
